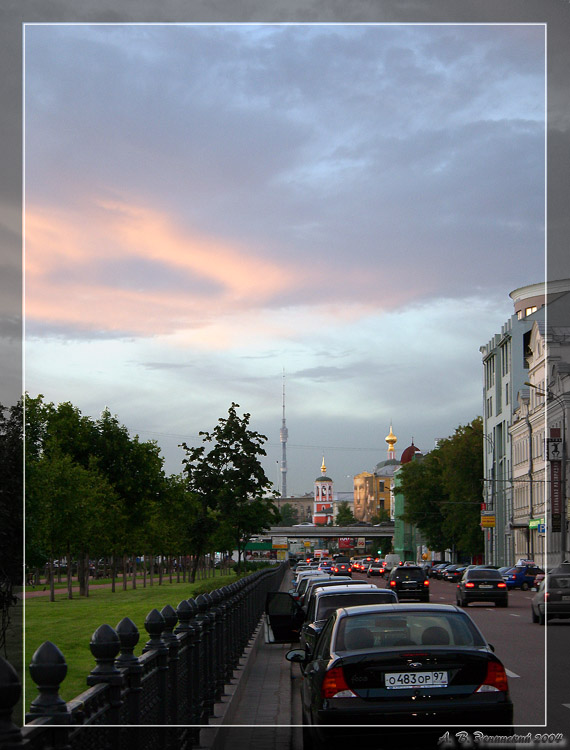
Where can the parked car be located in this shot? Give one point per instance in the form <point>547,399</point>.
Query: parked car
<point>409,582</point>
<point>482,585</point>
<point>342,569</point>
<point>552,600</point>
<point>455,575</point>
<point>326,601</point>
<point>398,664</point>
<point>440,572</point>
<point>521,576</point>
<point>375,569</point>
<point>313,586</point>
<point>436,567</point>
<point>450,569</point>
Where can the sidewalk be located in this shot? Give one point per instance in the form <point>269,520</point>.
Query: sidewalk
<point>262,705</point>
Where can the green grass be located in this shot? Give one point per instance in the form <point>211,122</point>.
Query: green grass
<point>70,623</point>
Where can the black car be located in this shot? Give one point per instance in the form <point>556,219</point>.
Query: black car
<point>409,582</point>
<point>325,602</point>
<point>482,585</point>
<point>436,567</point>
<point>375,667</point>
<point>342,569</point>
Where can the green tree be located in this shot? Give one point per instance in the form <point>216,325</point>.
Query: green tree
<point>422,486</point>
<point>289,515</point>
<point>230,479</point>
<point>344,516</point>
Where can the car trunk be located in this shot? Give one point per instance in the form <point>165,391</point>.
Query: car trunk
<point>396,673</point>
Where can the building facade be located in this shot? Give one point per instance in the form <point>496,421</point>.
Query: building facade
<point>506,368</point>
<point>373,489</point>
<point>323,500</point>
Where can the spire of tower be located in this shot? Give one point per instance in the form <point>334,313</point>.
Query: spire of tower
<point>391,439</point>
<point>283,434</point>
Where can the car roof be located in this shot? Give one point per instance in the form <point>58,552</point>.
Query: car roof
<point>364,609</point>
<point>348,587</point>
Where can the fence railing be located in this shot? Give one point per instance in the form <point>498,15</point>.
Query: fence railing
<point>190,655</point>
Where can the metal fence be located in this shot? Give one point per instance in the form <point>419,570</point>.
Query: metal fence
<point>167,693</point>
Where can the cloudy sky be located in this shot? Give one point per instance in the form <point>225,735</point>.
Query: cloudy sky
<point>209,206</point>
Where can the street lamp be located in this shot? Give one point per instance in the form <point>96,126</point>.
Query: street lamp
<point>553,397</point>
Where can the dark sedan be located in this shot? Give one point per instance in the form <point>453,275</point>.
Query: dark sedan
<point>482,585</point>
<point>409,582</point>
<point>552,600</point>
<point>342,569</point>
<point>402,664</point>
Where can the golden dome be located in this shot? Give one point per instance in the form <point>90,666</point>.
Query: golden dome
<point>391,439</point>
<point>323,467</point>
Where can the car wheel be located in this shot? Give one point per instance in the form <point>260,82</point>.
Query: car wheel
<point>524,586</point>
<point>541,618</point>
<point>459,602</point>
<point>501,604</point>
<point>533,615</point>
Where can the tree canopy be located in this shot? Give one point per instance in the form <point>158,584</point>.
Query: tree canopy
<point>443,492</point>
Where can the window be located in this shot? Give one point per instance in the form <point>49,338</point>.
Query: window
<point>530,310</point>
<point>381,486</point>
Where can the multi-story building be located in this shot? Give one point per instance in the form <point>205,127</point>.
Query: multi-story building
<point>373,489</point>
<point>505,371</point>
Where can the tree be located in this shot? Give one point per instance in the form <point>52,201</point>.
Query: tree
<point>344,516</point>
<point>443,491</point>
<point>230,479</point>
<point>289,515</point>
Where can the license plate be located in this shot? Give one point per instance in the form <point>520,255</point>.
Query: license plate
<point>565,598</point>
<point>398,680</point>
<point>485,586</point>
<point>409,583</point>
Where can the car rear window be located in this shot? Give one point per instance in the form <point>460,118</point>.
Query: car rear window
<point>375,630</point>
<point>415,574</point>
<point>327,604</point>
<point>559,582</point>
<point>475,574</point>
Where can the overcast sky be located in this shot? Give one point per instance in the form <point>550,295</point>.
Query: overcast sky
<point>210,206</point>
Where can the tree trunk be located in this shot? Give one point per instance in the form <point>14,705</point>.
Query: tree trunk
<point>152,569</point>
<point>51,580</point>
<point>113,572</point>
<point>134,571</point>
<point>87,572</point>
<point>69,578</point>
<point>81,572</point>
<point>160,570</point>
<point>178,566</point>
<point>193,569</point>
<point>169,568</point>
<point>124,572</point>
<point>145,558</point>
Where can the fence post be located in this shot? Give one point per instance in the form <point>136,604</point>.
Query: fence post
<point>186,611</point>
<point>129,637</point>
<point>203,619</point>
<point>105,646</point>
<point>48,670</point>
<point>10,691</point>
<point>171,641</point>
<point>154,625</point>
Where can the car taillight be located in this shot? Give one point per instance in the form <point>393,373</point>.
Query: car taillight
<point>392,583</point>
<point>350,570</point>
<point>546,596</point>
<point>469,585</point>
<point>334,685</point>
<point>495,679</point>
<point>502,585</point>
<point>426,582</point>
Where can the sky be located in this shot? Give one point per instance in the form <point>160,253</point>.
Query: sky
<point>213,211</point>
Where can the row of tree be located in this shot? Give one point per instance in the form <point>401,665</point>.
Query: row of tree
<point>92,490</point>
<point>443,492</point>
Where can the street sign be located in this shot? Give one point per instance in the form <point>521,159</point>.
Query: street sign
<point>487,520</point>
<point>554,449</point>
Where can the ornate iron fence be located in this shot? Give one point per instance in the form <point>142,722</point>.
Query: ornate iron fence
<point>191,654</point>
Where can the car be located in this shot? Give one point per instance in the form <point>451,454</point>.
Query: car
<point>319,583</point>
<point>436,567</point>
<point>326,601</point>
<point>341,569</point>
<point>377,669</point>
<point>521,576</point>
<point>552,600</point>
<point>482,585</point>
<point>375,569</point>
<point>409,582</point>
<point>449,570</point>
<point>439,572</point>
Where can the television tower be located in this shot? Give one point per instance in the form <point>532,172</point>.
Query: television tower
<point>283,434</point>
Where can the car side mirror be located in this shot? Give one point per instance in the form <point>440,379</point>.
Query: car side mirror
<point>298,655</point>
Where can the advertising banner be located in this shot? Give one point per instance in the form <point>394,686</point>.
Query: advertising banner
<point>556,494</point>
<point>279,542</point>
<point>345,542</point>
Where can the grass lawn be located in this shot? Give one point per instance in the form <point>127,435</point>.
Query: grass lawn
<point>70,623</point>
